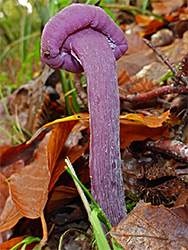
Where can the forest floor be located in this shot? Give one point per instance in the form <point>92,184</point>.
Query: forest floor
<point>153,91</point>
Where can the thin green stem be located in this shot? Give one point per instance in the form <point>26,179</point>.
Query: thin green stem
<point>11,136</point>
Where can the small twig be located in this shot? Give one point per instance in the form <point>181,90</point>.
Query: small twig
<point>69,230</point>
<point>182,126</point>
<point>162,56</point>
<point>71,105</point>
<point>178,74</point>
<point>141,98</point>
<point>45,230</point>
<point>180,70</point>
<point>172,148</point>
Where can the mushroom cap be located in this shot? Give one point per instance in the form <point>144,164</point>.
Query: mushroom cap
<point>70,20</point>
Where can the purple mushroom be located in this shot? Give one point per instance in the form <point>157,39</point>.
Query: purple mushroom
<point>84,38</point>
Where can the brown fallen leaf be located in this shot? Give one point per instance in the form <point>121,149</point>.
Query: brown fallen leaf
<point>134,62</point>
<point>153,26</point>
<point>73,153</point>
<point>4,191</point>
<point>60,196</point>
<point>56,142</point>
<point>66,191</point>
<point>166,7</point>
<point>23,151</point>
<point>181,205</point>
<point>136,85</point>
<point>8,170</point>
<point>123,77</point>
<point>151,122</point>
<point>151,227</point>
<point>10,215</point>
<point>29,189</point>
<point>143,20</point>
<point>135,131</point>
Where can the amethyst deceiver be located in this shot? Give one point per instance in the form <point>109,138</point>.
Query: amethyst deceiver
<point>84,38</point>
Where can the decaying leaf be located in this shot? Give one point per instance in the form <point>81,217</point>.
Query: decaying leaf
<point>57,141</point>
<point>166,7</point>
<point>22,152</point>
<point>181,205</point>
<point>63,194</point>
<point>10,215</point>
<point>149,227</point>
<point>151,122</point>
<point>29,189</point>
<point>4,191</point>
<point>60,196</point>
<point>135,131</point>
<point>73,153</point>
<point>123,77</point>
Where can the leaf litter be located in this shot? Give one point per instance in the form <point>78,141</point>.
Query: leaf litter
<point>37,180</point>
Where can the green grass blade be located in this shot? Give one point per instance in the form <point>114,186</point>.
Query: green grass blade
<point>101,240</point>
<point>96,215</point>
<point>144,4</point>
<point>26,241</point>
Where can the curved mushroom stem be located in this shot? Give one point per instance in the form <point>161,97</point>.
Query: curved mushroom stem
<point>92,49</point>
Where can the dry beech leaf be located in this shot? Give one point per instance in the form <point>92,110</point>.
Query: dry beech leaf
<point>165,7</point>
<point>17,166</point>
<point>123,77</point>
<point>3,149</point>
<point>60,196</point>
<point>56,142</point>
<point>143,20</point>
<point>135,131</point>
<point>63,194</point>
<point>51,125</point>
<point>138,85</point>
<point>73,153</point>
<point>181,205</point>
<point>29,189</point>
<point>21,152</point>
<point>152,27</point>
<point>9,216</point>
<point>136,43</point>
<point>4,191</point>
<point>76,117</point>
<point>151,227</point>
<point>70,148</point>
<point>151,122</point>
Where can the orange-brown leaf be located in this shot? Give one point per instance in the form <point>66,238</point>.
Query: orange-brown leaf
<point>4,191</point>
<point>9,216</point>
<point>135,131</point>
<point>143,20</point>
<point>73,152</point>
<point>60,196</point>
<point>11,243</point>
<point>151,227</point>
<point>29,189</point>
<point>57,140</point>
<point>151,121</point>
<point>123,77</point>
